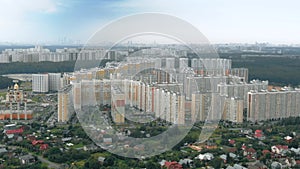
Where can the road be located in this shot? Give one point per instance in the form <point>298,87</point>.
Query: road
<point>42,159</point>
<point>50,164</point>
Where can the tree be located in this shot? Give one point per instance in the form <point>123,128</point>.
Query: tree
<point>5,82</point>
<point>151,164</point>
<point>92,163</point>
<point>294,143</point>
<point>109,161</point>
<point>122,164</point>
<point>216,163</point>
<point>74,154</point>
<point>198,164</point>
<point>51,151</point>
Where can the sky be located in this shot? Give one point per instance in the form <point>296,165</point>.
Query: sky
<point>221,21</point>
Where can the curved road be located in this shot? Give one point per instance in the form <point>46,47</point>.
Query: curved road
<point>42,159</point>
<point>50,164</point>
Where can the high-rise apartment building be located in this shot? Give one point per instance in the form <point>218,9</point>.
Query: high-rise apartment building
<point>40,83</point>
<point>240,89</point>
<point>64,104</point>
<point>203,84</point>
<point>216,66</point>
<point>117,105</point>
<point>265,105</point>
<point>233,110</point>
<point>4,58</point>
<point>54,81</point>
<point>170,63</point>
<point>240,72</point>
<point>200,106</point>
<point>183,63</point>
<point>43,83</point>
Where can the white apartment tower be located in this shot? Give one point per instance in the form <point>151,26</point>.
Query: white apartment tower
<point>54,81</point>
<point>183,63</point>
<point>40,83</point>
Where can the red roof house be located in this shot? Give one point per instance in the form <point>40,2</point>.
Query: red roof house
<point>44,146</point>
<point>35,142</point>
<point>265,152</point>
<point>173,165</point>
<point>250,153</point>
<point>258,134</point>
<point>15,131</point>
<point>232,142</point>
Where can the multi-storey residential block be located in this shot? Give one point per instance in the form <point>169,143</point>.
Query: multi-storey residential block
<point>40,83</point>
<point>265,105</point>
<point>240,89</point>
<point>64,104</point>
<point>55,81</point>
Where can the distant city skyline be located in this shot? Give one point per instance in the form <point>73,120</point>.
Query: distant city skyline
<point>74,21</point>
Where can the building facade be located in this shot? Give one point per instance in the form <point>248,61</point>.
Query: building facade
<point>275,104</point>
<point>40,83</point>
<point>64,104</point>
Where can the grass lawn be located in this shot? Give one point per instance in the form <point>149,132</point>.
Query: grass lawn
<point>80,163</point>
<point>3,94</point>
<point>36,99</point>
<point>80,145</point>
<point>104,154</point>
<point>56,131</point>
<point>218,142</point>
<point>276,137</point>
<point>241,139</point>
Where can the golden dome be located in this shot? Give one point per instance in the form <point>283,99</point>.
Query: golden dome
<point>16,87</point>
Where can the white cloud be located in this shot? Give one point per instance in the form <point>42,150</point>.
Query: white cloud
<point>21,6</point>
<point>15,19</point>
<point>230,20</point>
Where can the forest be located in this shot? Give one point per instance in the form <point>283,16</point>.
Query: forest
<point>278,71</point>
<point>5,82</point>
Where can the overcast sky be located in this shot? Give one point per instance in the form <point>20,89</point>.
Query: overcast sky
<point>221,21</point>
